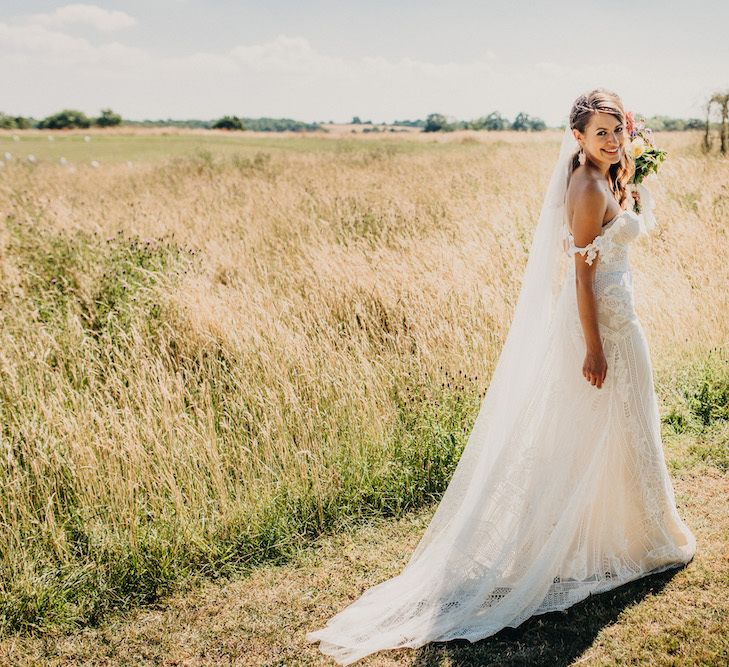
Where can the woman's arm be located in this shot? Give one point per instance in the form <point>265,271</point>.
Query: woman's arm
<point>589,211</point>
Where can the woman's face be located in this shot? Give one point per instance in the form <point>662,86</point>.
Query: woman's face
<point>603,140</point>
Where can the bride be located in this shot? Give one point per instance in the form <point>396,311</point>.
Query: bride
<point>562,490</point>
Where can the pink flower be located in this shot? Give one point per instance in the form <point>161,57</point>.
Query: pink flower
<point>630,123</point>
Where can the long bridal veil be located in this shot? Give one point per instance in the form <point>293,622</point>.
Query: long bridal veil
<point>523,527</point>
<point>517,371</point>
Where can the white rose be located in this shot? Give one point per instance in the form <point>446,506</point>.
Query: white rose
<point>638,146</point>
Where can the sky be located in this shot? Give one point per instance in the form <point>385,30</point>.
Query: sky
<point>321,60</point>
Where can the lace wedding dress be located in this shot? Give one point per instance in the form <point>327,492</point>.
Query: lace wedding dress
<point>558,495</point>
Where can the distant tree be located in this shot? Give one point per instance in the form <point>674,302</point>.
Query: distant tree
<point>108,118</point>
<point>495,121</point>
<point>521,122</point>
<point>279,125</point>
<point>228,123</point>
<point>721,100</point>
<point>67,118</point>
<point>14,122</point>
<point>410,123</point>
<point>665,124</point>
<point>525,123</point>
<point>356,121</point>
<point>669,124</point>
<point>435,122</point>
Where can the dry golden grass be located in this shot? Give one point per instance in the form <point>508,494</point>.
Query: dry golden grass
<point>169,413</point>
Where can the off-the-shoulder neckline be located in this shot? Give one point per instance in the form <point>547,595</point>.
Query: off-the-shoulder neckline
<point>609,223</point>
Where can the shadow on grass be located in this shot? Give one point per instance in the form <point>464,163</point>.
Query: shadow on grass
<point>555,639</point>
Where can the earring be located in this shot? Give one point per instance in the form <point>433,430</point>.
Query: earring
<point>581,156</point>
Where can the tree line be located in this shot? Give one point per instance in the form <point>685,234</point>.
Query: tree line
<point>73,118</point>
<point>434,122</point>
<point>67,118</point>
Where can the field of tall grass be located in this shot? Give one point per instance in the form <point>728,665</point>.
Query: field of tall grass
<point>215,348</point>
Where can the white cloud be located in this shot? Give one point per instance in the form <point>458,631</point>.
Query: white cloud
<point>31,43</point>
<point>286,54</point>
<point>105,20</point>
<point>36,39</point>
<point>287,75</point>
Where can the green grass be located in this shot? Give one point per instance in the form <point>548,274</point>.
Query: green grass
<point>153,148</point>
<point>696,418</point>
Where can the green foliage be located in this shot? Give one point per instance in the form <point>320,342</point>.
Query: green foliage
<point>709,402</point>
<point>170,122</point>
<point>280,125</point>
<point>525,123</point>
<point>108,118</point>
<point>648,163</point>
<point>705,397</point>
<point>14,122</point>
<point>229,123</point>
<point>669,124</point>
<point>493,122</point>
<point>68,118</point>
<point>436,122</point>
<point>702,415</point>
<point>410,123</point>
<point>676,420</point>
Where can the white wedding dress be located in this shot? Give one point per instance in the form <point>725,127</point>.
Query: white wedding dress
<point>574,500</point>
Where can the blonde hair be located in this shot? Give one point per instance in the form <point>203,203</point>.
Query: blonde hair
<point>605,101</point>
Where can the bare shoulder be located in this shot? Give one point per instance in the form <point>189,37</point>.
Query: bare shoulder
<point>587,203</point>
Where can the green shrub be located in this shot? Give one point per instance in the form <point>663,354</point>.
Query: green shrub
<point>108,118</point>
<point>67,118</point>
<point>229,123</point>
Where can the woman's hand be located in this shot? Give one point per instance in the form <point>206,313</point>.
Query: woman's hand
<point>594,368</point>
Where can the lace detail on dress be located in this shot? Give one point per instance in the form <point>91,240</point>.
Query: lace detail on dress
<point>578,501</point>
<point>611,242</point>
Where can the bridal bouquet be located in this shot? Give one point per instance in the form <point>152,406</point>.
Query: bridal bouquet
<point>648,157</point>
